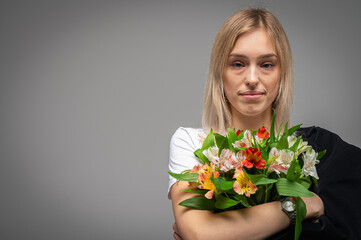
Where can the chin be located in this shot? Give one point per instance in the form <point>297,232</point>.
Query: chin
<point>254,112</point>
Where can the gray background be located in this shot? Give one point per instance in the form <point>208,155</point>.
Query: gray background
<point>91,92</point>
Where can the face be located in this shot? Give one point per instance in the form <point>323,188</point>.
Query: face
<point>252,75</point>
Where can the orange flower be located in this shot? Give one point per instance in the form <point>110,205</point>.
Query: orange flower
<point>262,133</point>
<point>253,157</point>
<point>196,168</point>
<point>243,185</point>
<point>204,179</point>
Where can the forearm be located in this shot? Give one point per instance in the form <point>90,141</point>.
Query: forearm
<point>257,222</point>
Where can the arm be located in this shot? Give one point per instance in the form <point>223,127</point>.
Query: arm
<point>257,222</point>
<point>339,187</point>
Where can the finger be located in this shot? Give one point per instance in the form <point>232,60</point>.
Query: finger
<point>176,233</point>
<point>177,236</point>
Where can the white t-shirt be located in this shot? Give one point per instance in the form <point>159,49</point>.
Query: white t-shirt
<point>181,152</point>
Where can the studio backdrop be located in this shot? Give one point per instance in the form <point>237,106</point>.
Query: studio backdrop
<point>92,91</point>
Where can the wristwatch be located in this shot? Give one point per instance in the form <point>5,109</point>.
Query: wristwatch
<point>289,207</point>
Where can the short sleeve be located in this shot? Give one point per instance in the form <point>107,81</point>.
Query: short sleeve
<point>181,152</point>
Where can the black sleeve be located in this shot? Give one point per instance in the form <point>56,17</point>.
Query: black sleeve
<point>339,187</point>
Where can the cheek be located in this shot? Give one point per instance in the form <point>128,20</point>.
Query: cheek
<point>228,85</point>
<point>274,90</point>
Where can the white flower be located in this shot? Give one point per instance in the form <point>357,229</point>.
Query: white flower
<point>291,140</point>
<point>240,157</point>
<point>283,159</point>
<point>236,144</point>
<point>245,142</point>
<point>309,162</point>
<point>228,160</point>
<point>247,138</point>
<point>212,155</point>
<point>302,145</point>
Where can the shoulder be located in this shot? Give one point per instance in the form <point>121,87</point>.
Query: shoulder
<point>188,137</point>
<point>337,150</point>
<point>321,138</point>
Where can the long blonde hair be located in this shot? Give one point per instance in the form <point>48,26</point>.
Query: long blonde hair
<point>216,110</point>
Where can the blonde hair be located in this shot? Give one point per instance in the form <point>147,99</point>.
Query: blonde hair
<point>216,110</point>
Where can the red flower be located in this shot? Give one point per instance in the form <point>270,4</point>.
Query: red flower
<point>238,132</point>
<point>262,133</point>
<point>253,157</point>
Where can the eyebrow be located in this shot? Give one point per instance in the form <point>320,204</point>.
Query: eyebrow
<point>268,55</point>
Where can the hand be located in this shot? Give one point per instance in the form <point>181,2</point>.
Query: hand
<point>176,233</point>
<point>314,205</point>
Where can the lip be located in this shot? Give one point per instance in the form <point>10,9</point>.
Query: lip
<point>252,95</point>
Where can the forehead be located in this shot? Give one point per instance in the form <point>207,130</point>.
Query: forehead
<point>255,42</point>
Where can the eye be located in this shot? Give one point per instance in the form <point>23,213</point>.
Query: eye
<point>237,64</point>
<point>267,65</point>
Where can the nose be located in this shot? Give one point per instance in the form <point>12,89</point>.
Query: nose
<point>252,76</point>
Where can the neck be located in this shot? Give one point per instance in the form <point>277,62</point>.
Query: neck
<point>244,122</point>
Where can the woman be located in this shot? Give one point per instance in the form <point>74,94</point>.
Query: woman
<point>250,74</point>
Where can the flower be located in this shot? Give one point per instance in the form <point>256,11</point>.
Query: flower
<point>243,185</point>
<point>212,155</point>
<point>247,138</point>
<point>229,164</point>
<point>302,146</point>
<point>282,160</point>
<point>309,162</point>
<point>253,157</point>
<point>228,160</point>
<point>204,179</point>
<point>262,133</point>
<point>291,140</point>
<point>246,141</point>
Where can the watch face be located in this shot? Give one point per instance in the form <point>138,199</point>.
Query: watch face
<point>289,206</point>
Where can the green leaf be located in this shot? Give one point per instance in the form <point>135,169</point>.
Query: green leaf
<point>283,143</point>
<point>285,131</point>
<point>232,137</point>
<point>279,131</point>
<point>295,145</point>
<point>272,130</point>
<point>301,213</point>
<point>260,179</point>
<point>222,184</point>
<point>242,199</point>
<point>314,180</point>
<point>305,182</point>
<point>241,135</point>
<point>294,129</point>
<point>273,145</point>
<point>292,189</point>
<point>321,154</point>
<point>291,171</point>
<point>222,142</point>
<point>200,203</point>
<point>254,142</point>
<point>264,181</point>
<point>187,177</point>
<point>209,141</point>
<point>199,154</point>
<point>198,191</point>
<point>224,202</point>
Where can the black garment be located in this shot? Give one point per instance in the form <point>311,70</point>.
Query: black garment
<point>339,187</point>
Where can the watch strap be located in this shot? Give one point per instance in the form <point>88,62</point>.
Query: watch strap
<point>291,214</point>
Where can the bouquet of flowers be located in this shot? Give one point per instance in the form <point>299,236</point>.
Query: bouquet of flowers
<point>247,168</point>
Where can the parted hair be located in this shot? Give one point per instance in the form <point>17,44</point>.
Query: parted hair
<point>216,109</point>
